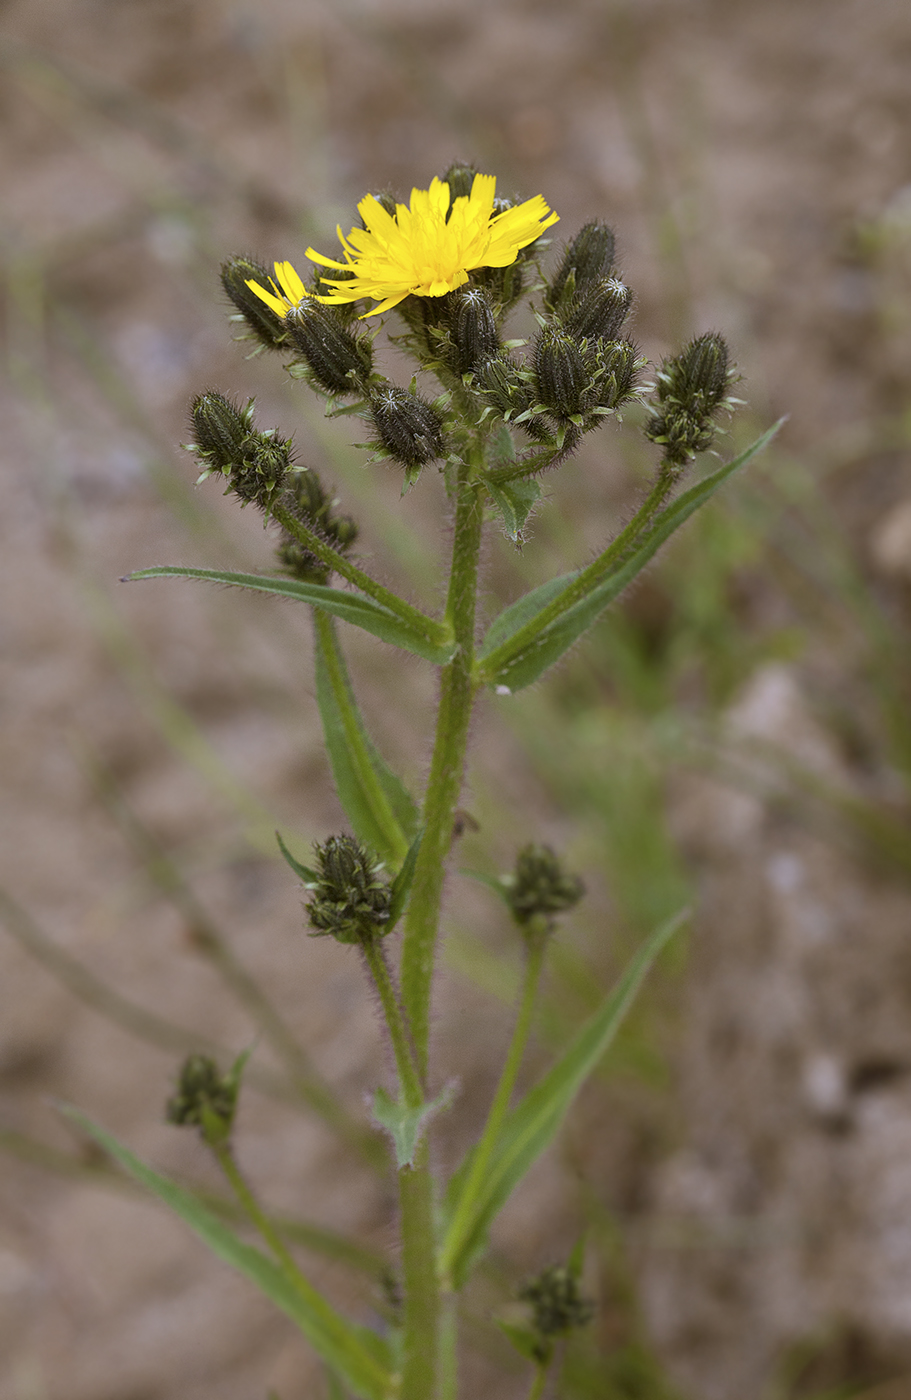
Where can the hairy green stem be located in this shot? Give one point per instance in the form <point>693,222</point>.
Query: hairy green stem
<point>480,1160</point>
<point>409,1079</point>
<point>447,768</point>
<point>539,1382</point>
<point>339,564</point>
<point>447,771</point>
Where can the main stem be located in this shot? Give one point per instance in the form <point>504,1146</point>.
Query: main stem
<point>420,1368</point>
<point>447,768</point>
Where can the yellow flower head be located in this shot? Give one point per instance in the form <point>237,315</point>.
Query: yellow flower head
<point>418,249</point>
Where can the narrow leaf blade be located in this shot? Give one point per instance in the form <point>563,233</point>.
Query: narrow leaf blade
<point>516,667</point>
<point>346,1348</point>
<point>303,872</point>
<point>535,1121</point>
<point>352,606</point>
<point>362,779</point>
<point>401,885</point>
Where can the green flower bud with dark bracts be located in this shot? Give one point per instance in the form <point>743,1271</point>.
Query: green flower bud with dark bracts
<point>351,900</point>
<point>504,387</point>
<point>268,328</point>
<point>599,313</point>
<point>563,381</point>
<point>691,388</point>
<point>256,464</point>
<point>220,429</point>
<point>540,885</point>
<point>472,328</point>
<point>408,428</point>
<point>460,178</point>
<point>588,258</point>
<point>558,1306</point>
<point>339,361</point>
<point>306,499</point>
<point>205,1098</point>
<point>617,365</point>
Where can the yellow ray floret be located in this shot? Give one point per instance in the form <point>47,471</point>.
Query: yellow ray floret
<point>418,249</point>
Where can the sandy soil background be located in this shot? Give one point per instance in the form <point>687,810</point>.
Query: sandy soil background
<point>756,162</point>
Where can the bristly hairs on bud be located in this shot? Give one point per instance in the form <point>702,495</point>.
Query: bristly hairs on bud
<point>255,464</point>
<point>263,324</point>
<point>205,1098</point>
<point>472,329</point>
<point>337,361</point>
<point>540,888</point>
<point>409,430</point>
<point>691,388</point>
<point>307,499</point>
<point>350,898</point>
<point>600,310</point>
<point>587,259</point>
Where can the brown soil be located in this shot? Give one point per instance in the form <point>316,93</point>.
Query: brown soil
<point>750,157</point>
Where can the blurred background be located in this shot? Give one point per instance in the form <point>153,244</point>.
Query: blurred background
<point>735,735</point>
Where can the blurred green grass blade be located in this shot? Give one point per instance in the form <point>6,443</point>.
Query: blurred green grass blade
<point>517,661</point>
<point>375,802</point>
<point>350,1350</point>
<point>352,607</point>
<point>535,1121</point>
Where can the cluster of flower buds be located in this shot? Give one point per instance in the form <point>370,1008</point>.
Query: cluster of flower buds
<point>205,1098</point>
<point>558,1306</point>
<point>350,899</point>
<point>255,464</point>
<point>540,888</point>
<point>581,367</point>
<point>307,499</point>
<point>691,389</point>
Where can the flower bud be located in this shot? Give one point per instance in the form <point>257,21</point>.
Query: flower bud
<point>540,886</point>
<point>350,900</point>
<point>460,178</point>
<point>561,375</point>
<point>205,1098</point>
<point>691,389</point>
<point>617,364</point>
<point>306,499</point>
<point>599,313</point>
<point>503,385</point>
<point>339,361</point>
<point>472,328</point>
<point>558,1305</point>
<point>256,464</point>
<point>588,258</point>
<point>267,327</point>
<point>408,428</point>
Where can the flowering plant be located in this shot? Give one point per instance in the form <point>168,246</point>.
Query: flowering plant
<point>452,264</point>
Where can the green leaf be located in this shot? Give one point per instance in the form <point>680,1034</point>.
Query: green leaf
<point>352,607</point>
<point>375,802</point>
<point>512,662</point>
<point>514,500</point>
<point>405,1125</point>
<point>535,1121</point>
<point>401,885</point>
<point>523,610</point>
<point>355,1353</point>
<point>523,1337</point>
<point>310,877</point>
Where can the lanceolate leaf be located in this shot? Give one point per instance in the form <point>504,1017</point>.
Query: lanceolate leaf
<point>515,501</point>
<point>352,607</point>
<point>401,885</point>
<point>515,652</point>
<point>375,802</point>
<point>535,1121</point>
<point>358,1355</point>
